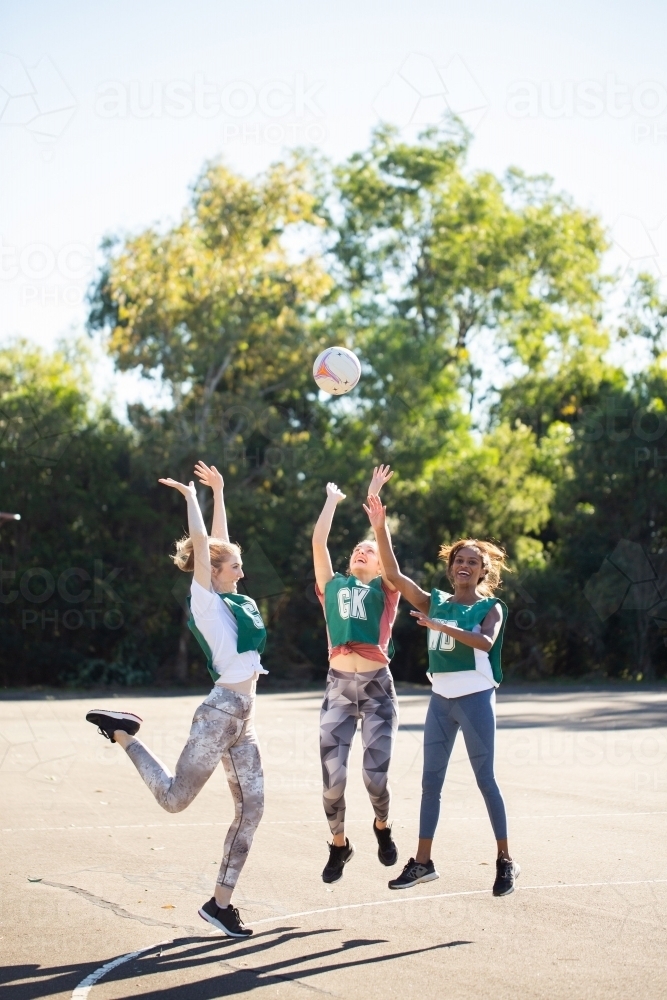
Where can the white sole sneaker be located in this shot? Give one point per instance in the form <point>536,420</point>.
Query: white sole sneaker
<point>104,719</point>
<point>431,877</point>
<point>219,925</point>
<point>517,872</point>
<point>121,716</point>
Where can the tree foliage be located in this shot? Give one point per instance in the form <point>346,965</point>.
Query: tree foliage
<point>404,255</point>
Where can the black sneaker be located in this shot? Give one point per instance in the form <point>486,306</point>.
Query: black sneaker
<point>506,874</point>
<point>225,918</point>
<point>387,849</point>
<point>414,873</point>
<point>107,722</point>
<point>338,858</point>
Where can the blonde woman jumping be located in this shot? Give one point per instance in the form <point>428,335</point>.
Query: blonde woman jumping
<point>230,630</point>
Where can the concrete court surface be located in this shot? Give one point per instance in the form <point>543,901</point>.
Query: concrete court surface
<point>94,870</point>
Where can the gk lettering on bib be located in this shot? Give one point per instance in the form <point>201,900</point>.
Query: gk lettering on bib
<point>351,602</point>
<point>353,610</point>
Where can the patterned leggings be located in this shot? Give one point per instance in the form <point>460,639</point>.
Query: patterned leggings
<point>222,730</point>
<point>369,696</point>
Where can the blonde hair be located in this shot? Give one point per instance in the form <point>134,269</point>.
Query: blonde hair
<point>220,552</point>
<point>493,561</point>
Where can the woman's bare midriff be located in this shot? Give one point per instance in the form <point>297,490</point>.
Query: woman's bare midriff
<point>242,687</point>
<point>353,663</point>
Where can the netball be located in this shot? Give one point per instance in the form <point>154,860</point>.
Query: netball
<point>336,370</point>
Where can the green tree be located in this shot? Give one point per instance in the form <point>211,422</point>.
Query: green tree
<point>80,599</point>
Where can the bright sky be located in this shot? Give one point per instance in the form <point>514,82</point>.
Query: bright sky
<point>108,111</point>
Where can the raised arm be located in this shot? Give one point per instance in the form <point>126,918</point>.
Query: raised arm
<point>321,558</point>
<point>196,530</point>
<point>381,475</point>
<point>377,515</point>
<point>211,477</point>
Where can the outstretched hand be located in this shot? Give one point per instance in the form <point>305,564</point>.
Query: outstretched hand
<point>333,491</point>
<point>187,491</point>
<point>427,622</point>
<point>377,513</point>
<point>209,476</point>
<point>381,475</point>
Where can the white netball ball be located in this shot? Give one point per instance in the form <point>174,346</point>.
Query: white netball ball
<point>336,370</point>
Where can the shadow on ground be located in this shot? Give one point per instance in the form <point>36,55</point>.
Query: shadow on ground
<point>181,956</point>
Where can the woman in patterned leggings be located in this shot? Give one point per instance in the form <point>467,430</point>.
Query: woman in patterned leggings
<point>231,632</point>
<point>360,610</point>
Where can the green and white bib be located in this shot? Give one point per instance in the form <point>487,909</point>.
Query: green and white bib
<point>249,622</point>
<point>353,610</point>
<point>445,654</point>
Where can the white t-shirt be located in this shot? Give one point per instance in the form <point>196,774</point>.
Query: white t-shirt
<point>461,682</point>
<point>218,626</point>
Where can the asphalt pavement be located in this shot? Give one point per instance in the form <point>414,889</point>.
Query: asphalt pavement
<point>94,871</point>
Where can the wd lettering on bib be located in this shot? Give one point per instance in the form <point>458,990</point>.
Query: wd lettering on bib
<point>445,654</point>
<point>353,610</point>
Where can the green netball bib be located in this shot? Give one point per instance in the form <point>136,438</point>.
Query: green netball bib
<point>445,654</point>
<point>251,628</point>
<point>353,610</point>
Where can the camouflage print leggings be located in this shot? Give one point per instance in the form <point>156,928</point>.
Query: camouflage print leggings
<point>370,696</point>
<point>222,730</point>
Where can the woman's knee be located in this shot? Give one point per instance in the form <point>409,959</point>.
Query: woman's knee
<point>487,784</point>
<point>250,804</point>
<point>175,803</point>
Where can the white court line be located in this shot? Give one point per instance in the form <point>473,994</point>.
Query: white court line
<point>450,895</point>
<point>152,826</point>
<point>82,990</point>
<point>291,822</point>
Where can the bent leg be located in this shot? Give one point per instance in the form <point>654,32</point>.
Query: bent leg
<point>378,707</point>
<point>243,766</point>
<point>338,722</point>
<point>211,733</point>
<point>440,731</point>
<point>477,718</point>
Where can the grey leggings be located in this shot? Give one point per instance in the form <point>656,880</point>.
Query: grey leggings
<point>369,696</point>
<point>475,715</point>
<point>222,730</point>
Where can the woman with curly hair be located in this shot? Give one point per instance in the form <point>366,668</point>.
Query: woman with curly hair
<point>465,635</point>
